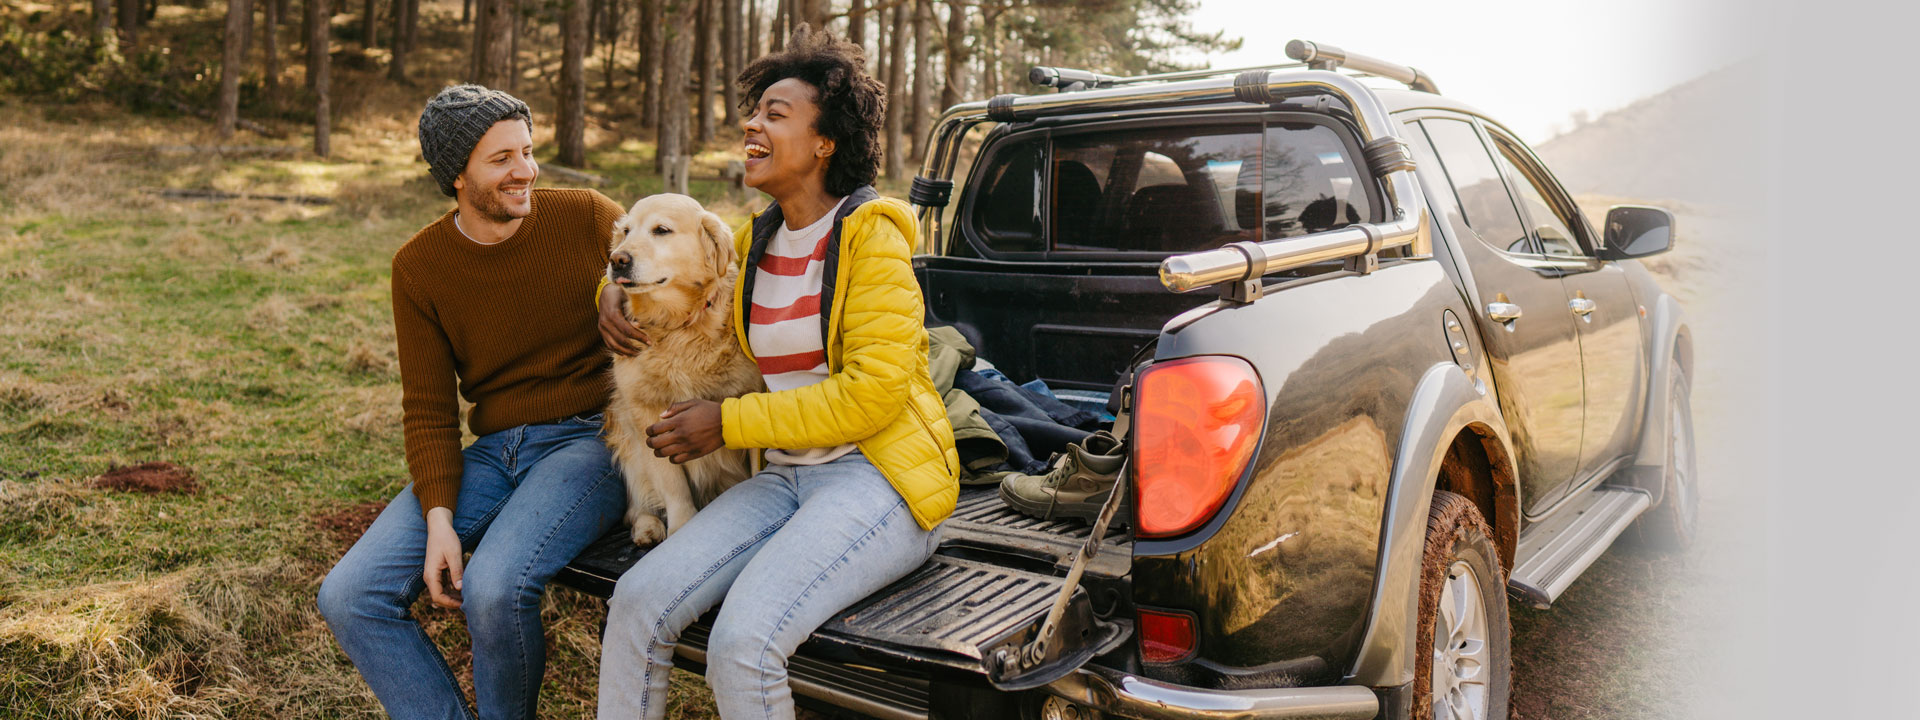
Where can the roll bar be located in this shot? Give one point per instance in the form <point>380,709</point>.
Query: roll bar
<point>1240,266</point>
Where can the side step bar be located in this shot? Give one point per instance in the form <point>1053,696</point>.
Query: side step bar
<point>1553,553</point>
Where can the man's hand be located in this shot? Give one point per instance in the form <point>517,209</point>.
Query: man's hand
<point>443,555</point>
<point>619,335</point>
<point>687,431</point>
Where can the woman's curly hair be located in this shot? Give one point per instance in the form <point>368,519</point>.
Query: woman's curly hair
<point>853,105</point>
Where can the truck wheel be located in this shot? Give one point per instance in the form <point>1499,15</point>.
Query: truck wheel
<point>1462,670</point>
<point>1670,526</point>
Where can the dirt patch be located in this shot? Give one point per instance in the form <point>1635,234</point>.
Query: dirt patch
<point>345,525</point>
<point>1616,645</point>
<point>149,477</point>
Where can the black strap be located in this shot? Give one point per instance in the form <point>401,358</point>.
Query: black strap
<point>927,192</point>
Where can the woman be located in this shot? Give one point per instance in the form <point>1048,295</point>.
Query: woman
<point>861,465</point>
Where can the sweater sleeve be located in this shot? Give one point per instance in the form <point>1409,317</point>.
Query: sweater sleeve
<point>881,331</point>
<point>430,413</point>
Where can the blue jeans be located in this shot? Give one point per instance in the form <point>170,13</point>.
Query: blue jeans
<point>788,549</point>
<point>531,498</point>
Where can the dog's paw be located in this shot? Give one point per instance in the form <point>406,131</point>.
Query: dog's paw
<point>648,530</point>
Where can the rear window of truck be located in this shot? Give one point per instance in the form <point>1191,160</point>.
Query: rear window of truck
<point>1162,189</point>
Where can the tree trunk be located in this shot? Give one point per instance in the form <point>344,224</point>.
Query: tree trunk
<point>781,27</point>
<point>270,34</point>
<point>678,57</point>
<point>615,14</point>
<point>493,44</point>
<point>991,48</point>
<point>730,65</point>
<point>368,30</point>
<point>753,46</point>
<point>282,9</point>
<point>466,11</point>
<point>593,22</point>
<point>129,16</point>
<point>313,26</point>
<point>857,23</point>
<point>515,28</point>
<point>896,95</point>
<point>322,83</point>
<point>246,36</point>
<point>404,12</point>
<point>232,61</point>
<point>878,63</point>
<point>955,86</point>
<point>703,72</point>
<point>651,54</point>
<point>922,77</point>
<point>572,129</point>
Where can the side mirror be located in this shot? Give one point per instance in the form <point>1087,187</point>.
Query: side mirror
<point>1637,231</point>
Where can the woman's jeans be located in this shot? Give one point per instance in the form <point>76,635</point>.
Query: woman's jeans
<point>788,549</point>
<point>531,498</point>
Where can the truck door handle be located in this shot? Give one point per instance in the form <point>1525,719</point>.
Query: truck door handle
<point>1581,306</point>
<point>1503,311</point>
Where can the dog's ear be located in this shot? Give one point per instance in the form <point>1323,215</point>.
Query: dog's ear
<point>719,243</point>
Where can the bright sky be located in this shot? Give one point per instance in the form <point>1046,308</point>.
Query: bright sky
<point>1530,65</point>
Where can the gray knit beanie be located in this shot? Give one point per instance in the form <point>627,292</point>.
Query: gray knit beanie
<point>455,120</point>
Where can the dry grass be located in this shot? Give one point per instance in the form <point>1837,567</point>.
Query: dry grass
<point>175,645</point>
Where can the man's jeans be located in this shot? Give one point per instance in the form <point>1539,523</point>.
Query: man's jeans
<point>795,544</point>
<point>531,498</point>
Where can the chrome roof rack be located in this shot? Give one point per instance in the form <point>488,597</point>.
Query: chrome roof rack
<point>1311,55</point>
<point>1327,57</point>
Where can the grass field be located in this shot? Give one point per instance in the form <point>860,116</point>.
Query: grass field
<point>251,343</point>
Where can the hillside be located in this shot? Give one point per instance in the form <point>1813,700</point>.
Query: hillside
<point>1694,143</point>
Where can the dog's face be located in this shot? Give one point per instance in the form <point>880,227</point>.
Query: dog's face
<point>671,251</point>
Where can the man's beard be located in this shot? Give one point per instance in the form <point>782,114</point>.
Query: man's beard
<point>487,205</point>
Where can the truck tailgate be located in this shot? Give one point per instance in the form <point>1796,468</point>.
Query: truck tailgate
<point>984,594</point>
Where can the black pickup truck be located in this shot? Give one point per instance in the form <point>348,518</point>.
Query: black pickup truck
<point>1374,367</point>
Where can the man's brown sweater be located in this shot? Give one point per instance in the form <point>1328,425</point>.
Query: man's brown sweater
<point>504,324</point>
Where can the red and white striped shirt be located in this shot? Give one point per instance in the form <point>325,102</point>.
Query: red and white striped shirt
<point>783,325</point>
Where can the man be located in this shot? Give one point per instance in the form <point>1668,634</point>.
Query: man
<point>486,300</point>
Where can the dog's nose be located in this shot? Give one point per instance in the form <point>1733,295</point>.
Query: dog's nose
<point>621,260</point>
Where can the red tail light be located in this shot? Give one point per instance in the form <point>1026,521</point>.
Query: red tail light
<point>1196,423</point>
<point>1165,636</point>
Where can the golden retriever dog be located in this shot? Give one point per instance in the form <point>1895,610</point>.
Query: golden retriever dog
<point>675,262</point>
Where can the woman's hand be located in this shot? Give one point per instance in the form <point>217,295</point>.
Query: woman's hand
<point>443,555</point>
<point>687,431</point>
<point>619,335</point>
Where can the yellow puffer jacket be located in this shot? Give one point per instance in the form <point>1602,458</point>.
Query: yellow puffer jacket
<point>879,394</point>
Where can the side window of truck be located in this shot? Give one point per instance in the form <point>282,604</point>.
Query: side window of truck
<point>1155,189</point>
<point>1311,183</point>
<point>1551,226</point>
<point>1482,195</point>
<point>1007,212</point>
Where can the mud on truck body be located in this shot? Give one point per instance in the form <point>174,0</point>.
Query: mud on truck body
<point>1374,369</point>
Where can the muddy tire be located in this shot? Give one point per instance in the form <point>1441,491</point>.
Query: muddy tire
<point>1671,525</point>
<point>1463,668</point>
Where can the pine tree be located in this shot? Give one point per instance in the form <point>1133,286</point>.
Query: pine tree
<point>572,126</point>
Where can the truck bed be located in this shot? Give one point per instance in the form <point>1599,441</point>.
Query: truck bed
<point>988,587</point>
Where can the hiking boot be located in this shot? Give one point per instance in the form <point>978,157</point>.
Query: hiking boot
<point>1080,482</point>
